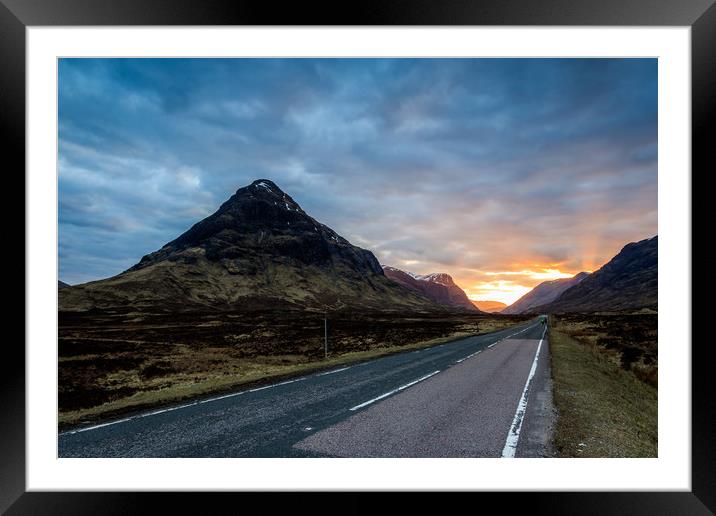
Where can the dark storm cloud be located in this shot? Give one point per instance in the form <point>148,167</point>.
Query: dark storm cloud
<point>467,166</point>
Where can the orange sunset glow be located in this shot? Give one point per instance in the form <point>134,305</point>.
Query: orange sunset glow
<point>502,173</point>
<point>513,280</point>
<point>508,290</point>
<point>487,271</point>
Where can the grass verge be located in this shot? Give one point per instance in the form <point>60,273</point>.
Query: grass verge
<point>604,411</point>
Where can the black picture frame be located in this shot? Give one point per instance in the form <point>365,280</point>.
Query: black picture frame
<point>17,15</point>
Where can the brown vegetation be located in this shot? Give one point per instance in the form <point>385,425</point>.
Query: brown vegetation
<point>604,369</point>
<point>628,340</point>
<point>112,362</point>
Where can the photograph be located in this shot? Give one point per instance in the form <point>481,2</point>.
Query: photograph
<point>357,257</point>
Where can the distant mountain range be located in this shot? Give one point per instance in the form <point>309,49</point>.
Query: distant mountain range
<point>62,284</point>
<point>544,293</point>
<point>489,306</point>
<point>628,281</point>
<point>258,250</point>
<point>438,287</point>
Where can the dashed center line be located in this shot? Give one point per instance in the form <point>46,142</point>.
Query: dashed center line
<point>468,356</point>
<point>491,345</point>
<point>169,409</point>
<point>402,387</point>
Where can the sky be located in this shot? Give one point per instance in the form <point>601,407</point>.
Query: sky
<point>501,172</point>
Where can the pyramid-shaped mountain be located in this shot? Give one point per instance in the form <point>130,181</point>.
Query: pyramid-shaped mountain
<point>259,250</point>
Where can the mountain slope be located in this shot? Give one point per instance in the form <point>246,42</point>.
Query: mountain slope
<point>490,306</point>
<point>62,284</point>
<point>258,250</point>
<point>439,287</point>
<point>544,293</point>
<point>628,281</point>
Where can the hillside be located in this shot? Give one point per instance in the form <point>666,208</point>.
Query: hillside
<point>258,250</point>
<point>627,282</point>
<point>544,293</point>
<point>438,287</point>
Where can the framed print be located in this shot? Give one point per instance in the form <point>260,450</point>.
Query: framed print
<point>413,250</point>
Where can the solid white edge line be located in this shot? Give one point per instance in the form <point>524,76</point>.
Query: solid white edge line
<point>170,409</point>
<point>109,423</point>
<point>276,385</point>
<point>334,371</point>
<point>402,387</point>
<point>513,434</point>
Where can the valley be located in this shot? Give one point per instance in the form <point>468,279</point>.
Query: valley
<point>259,295</point>
<point>113,363</point>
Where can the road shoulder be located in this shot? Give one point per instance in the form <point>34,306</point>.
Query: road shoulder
<point>537,434</point>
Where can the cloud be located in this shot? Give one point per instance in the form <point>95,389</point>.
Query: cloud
<point>455,165</point>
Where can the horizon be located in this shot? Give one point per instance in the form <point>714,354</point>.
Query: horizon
<point>503,173</point>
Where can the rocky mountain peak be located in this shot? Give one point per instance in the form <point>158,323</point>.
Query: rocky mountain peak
<point>267,191</point>
<point>438,286</point>
<point>257,217</point>
<point>442,278</point>
<point>258,250</point>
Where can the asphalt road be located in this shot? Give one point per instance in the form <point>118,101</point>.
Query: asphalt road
<point>458,399</point>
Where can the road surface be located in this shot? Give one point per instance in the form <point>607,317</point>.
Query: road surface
<point>483,396</point>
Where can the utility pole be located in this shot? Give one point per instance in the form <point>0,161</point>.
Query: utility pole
<point>325,334</point>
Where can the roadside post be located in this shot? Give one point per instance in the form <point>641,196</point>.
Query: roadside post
<point>325,335</point>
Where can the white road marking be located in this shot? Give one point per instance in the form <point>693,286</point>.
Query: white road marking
<point>97,426</point>
<point>496,342</point>
<point>509,337</point>
<point>513,434</point>
<point>276,385</point>
<point>224,396</point>
<point>402,387</point>
<point>109,423</point>
<point>334,371</point>
<point>170,409</point>
<point>468,356</point>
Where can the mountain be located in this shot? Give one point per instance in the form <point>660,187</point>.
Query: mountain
<point>62,284</point>
<point>258,250</point>
<point>544,293</point>
<point>627,282</point>
<point>438,287</point>
<point>490,306</point>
